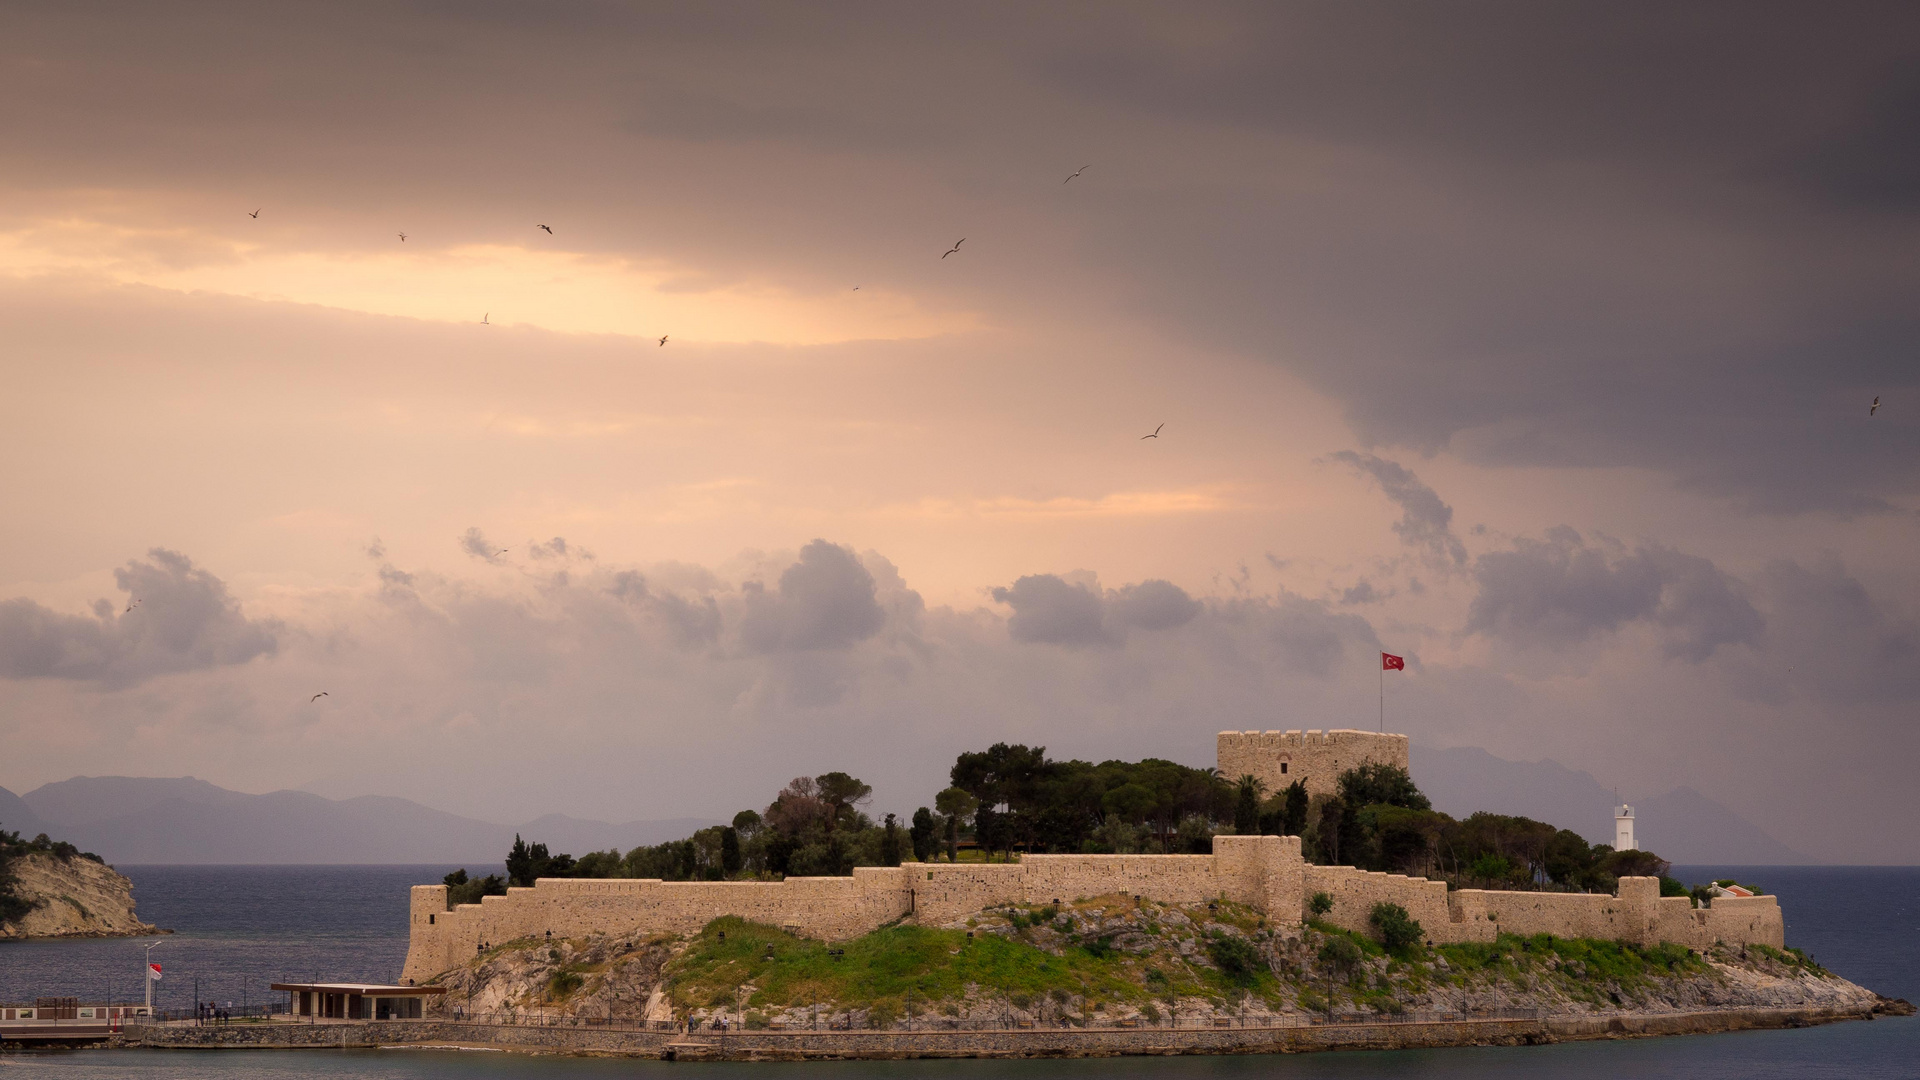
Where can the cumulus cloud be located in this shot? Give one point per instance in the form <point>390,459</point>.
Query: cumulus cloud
<point>183,621</point>
<point>826,600</point>
<point>1563,590</point>
<point>1425,521</point>
<point>1048,609</point>
<point>1052,610</point>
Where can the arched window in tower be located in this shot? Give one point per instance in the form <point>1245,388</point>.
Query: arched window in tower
<point>1286,761</point>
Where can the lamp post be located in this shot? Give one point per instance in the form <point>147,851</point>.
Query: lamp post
<point>147,975</point>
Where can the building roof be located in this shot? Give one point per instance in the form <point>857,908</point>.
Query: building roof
<point>363,989</point>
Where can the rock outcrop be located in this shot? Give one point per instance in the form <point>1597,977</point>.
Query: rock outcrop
<point>71,897</point>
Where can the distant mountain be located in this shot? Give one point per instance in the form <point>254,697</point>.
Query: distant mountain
<point>182,820</point>
<point>578,836</point>
<point>1682,825</point>
<point>17,816</point>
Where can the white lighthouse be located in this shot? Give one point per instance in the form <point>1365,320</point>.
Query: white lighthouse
<point>1623,828</point>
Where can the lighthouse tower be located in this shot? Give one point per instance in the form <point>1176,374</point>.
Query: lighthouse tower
<point>1623,828</point>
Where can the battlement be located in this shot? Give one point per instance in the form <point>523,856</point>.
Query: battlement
<point>1313,757</point>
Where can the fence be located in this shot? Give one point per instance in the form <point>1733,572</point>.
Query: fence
<point>843,1022</point>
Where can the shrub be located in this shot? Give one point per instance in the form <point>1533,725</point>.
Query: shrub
<point>564,983</point>
<point>1236,958</point>
<point>1150,1012</point>
<point>1320,904</point>
<point>1398,931</point>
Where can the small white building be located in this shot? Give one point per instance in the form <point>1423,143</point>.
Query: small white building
<point>1623,829</point>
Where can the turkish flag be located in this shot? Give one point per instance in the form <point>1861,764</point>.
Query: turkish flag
<point>1390,662</point>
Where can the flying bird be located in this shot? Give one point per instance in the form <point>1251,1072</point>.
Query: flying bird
<point>403,238</point>
<point>1077,172</point>
<point>549,229</point>
<point>316,697</point>
<point>663,339</point>
<point>955,247</point>
<point>1156,433</point>
<point>256,213</point>
<point>131,606</point>
<point>484,318</point>
<point>1875,407</point>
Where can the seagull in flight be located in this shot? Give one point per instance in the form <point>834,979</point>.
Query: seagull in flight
<point>663,340</point>
<point>484,318</point>
<point>256,213</point>
<point>1077,172</point>
<point>955,247</point>
<point>403,238</point>
<point>1156,433</point>
<point>1875,407</point>
<point>317,697</point>
<point>131,606</point>
<point>549,229</point>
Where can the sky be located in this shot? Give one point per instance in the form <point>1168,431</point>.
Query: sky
<point>1533,342</point>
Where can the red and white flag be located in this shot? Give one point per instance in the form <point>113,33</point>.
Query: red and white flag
<point>153,972</point>
<point>1390,662</point>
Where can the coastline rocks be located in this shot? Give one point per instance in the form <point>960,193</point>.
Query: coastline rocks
<point>73,897</point>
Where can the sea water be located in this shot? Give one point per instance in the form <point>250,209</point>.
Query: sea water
<point>239,928</point>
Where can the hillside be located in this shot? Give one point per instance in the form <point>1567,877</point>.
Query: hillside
<point>182,820</point>
<point>1116,959</point>
<point>58,893</point>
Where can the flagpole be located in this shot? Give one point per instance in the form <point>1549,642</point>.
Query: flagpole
<point>1383,695</point>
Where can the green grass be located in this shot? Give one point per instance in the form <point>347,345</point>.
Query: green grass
<point>936,965</point>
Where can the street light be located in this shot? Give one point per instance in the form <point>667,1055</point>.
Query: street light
<point>146,975</point>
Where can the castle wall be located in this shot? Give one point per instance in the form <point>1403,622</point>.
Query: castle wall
<point>1316,758</point>
<point>828,907</point>
<point>1264,872</point>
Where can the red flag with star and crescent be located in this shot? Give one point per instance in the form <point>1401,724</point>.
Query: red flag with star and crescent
<point>1390,662</point>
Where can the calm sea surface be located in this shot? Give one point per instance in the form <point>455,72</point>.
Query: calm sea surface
<point>239,928</point>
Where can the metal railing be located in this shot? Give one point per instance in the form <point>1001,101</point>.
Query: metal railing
<point>964,1025</point>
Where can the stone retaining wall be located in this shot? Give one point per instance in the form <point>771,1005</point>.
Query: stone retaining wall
<point>1011,1043</point>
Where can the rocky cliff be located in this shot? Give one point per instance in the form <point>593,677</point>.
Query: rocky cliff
<point>70,897</point>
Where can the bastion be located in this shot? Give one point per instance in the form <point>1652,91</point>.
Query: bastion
<point>1314,758</point>
<point>1266,873</point>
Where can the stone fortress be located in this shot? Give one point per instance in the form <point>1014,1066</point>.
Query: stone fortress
<point>1266,873</point>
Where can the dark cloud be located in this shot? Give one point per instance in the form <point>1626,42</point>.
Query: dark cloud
<point>692,623</point>
<point>476,544</point>
<point>826,600</point>
<point>1833,637</point>
<point>558,548</point>
<point>1289,633</point>
<point>1153,605</point>
<point>1425,522</point>
<point>1563,591</point>
<point>184,621</point>
<point>1670,237</point>
<point>1361,592</point>
<point>1048,609</point>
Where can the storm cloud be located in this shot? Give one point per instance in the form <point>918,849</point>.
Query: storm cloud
<point>183,620</point>
<point>1425,522</point>
<point>1564,590</point>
